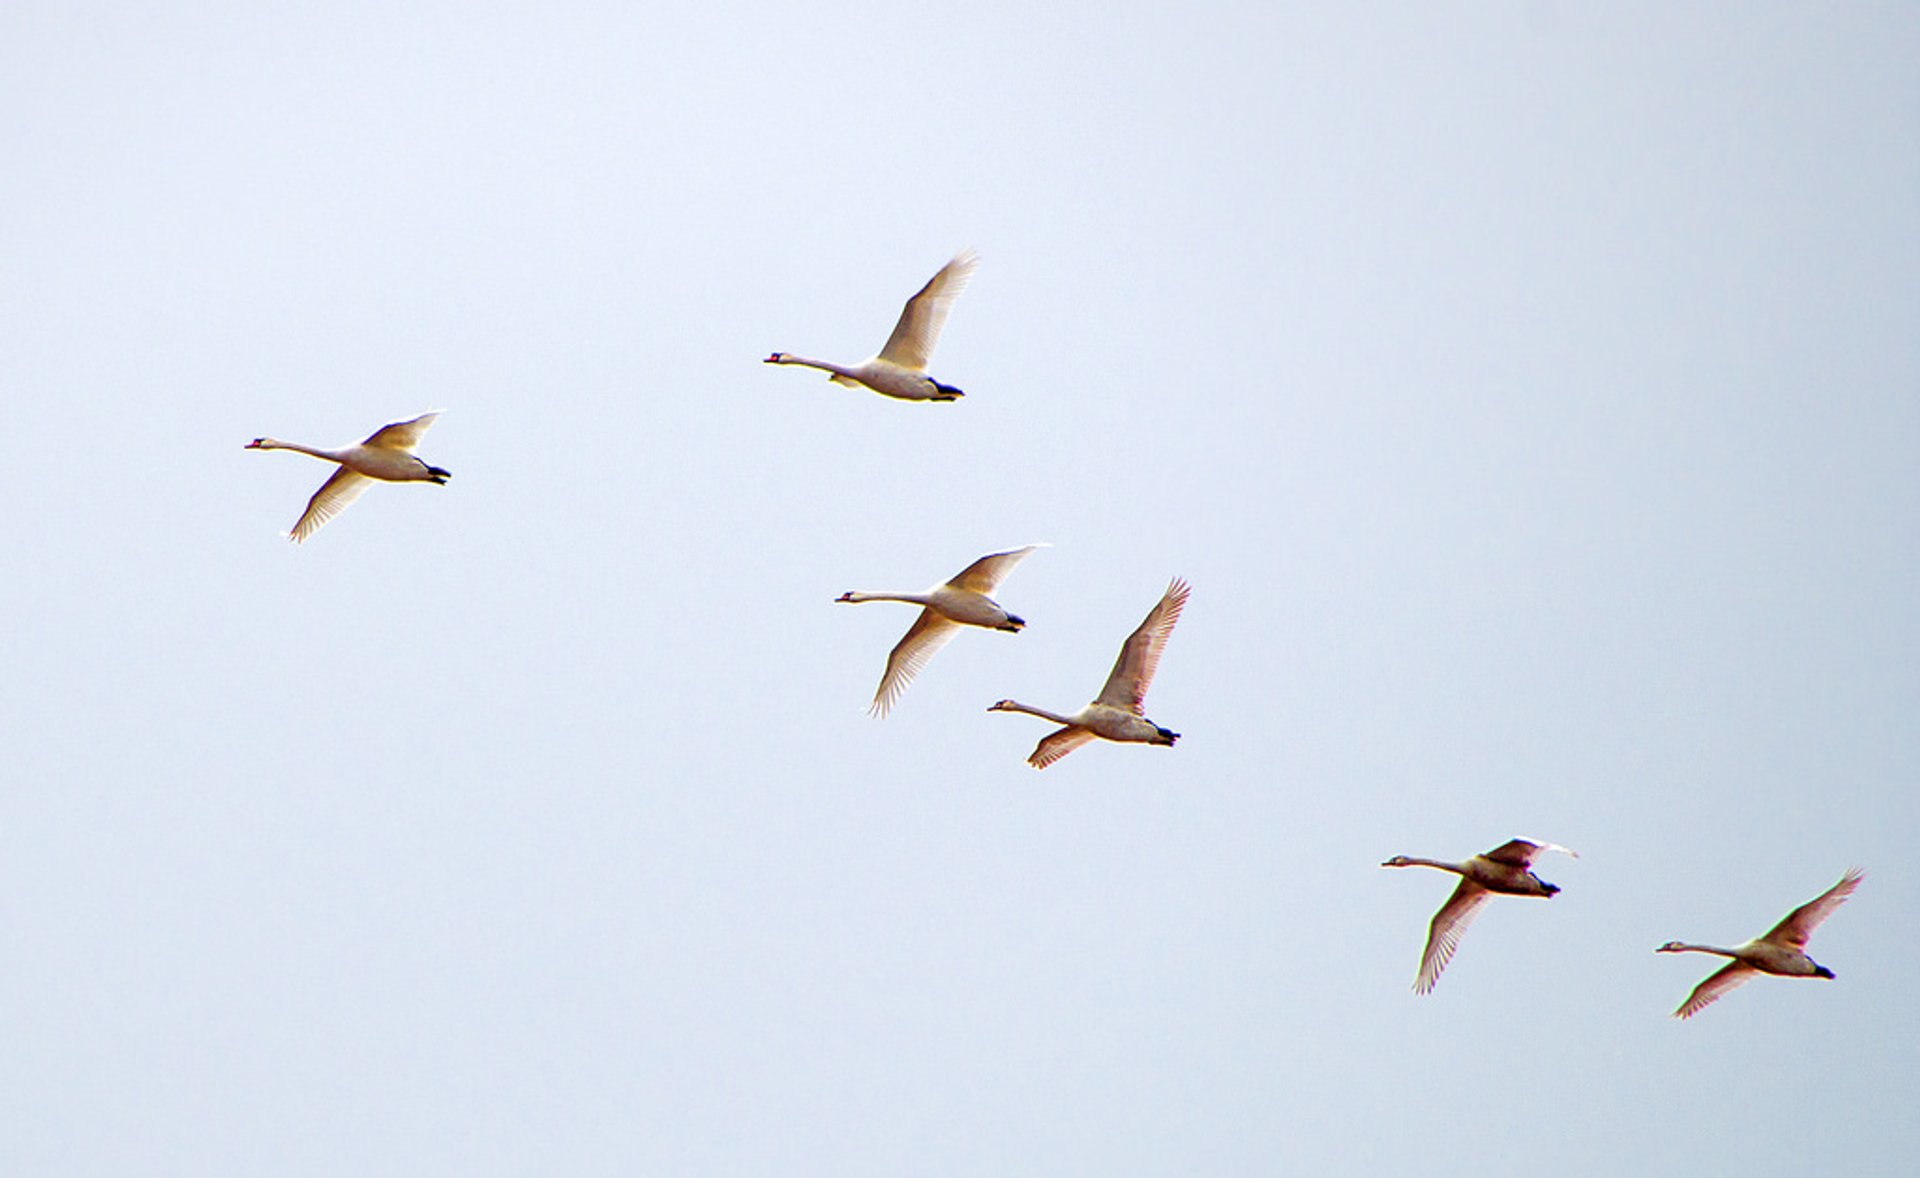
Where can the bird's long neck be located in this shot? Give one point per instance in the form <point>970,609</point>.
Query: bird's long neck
<point>823,365</point>
<point>275,444</point>
<point>1456,868</point>
<point>909,598</point>
<point>1682,947</point>
<point>1016,706</point>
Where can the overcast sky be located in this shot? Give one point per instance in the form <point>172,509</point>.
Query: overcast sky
<point>1531,394</point>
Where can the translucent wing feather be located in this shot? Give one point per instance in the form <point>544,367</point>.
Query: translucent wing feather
<point>1058,744</point>
<point>1728,977</point>
<point>1522,852</point>
<point>330,500</point>
<point>984,575</point>
<point>1443,935</point>
<point>402,435</point>
<point>1798,927</point>
<point>923,639</point>
<point>911,344</point>
<point>1140,656</point>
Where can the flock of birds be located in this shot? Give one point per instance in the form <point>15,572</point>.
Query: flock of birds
<point>1118,713</point>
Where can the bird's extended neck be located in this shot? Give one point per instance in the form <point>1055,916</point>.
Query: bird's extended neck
<point>1683,947</point>
<point>804,362</point>
<point>909,598</point>
<point>1410,861</point>
<point>1008,705</point>
<point>276,444</point>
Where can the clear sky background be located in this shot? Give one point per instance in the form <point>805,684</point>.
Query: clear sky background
<point>1531,394</point>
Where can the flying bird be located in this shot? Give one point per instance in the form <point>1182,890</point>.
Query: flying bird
<point>1782,951</point>
<point>387,456</point>
<point>1505,870</point>
<point>963,601</point>
<point>1118,712</point>
<point>900,370</point>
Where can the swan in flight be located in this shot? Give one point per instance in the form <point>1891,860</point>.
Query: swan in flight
<point>1782,951</point>
<point>962,601</point>
<point>387,456</point>
<point>1503,869</point>
<point>1118,713</point>
<point>900,370</point>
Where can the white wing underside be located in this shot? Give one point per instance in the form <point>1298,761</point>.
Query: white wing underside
<point>1140,656</point>
<point>1730,976</point>
<point>929,632</point>
<point>1057,744</point>
<point>402,435</point>
<point>1443,935</point>
<point>1799,924</point>
<point>984,575</point>
<point>911,344</point>
<point>1522,852</point>
<point>333,497</point>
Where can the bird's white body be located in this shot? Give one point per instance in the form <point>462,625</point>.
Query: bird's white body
<point>1506,870</point>
<point>1119,712</point>
<point>387,456</point>
<point>899,370</point>
<point>1780,952</point>
<point>946,607</point>
<point>889,380</point>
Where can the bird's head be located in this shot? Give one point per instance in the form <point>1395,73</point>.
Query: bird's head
<point>1005,705</point>
<point>1398,861</point>
<point>1670,947</point>
<point>776,358</point>
<point>844,597</point>
<point>260,444</point>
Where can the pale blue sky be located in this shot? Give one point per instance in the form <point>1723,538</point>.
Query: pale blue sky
<point>1528,391</point>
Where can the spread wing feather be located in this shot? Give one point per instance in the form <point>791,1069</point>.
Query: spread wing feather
<point>929,632</point>
<point>911,344</point>
<point>1728,977</point>
<point>1443,935</point>
<point>402,435</point>
<point>1522,852</point>
<point>1058,744</point>
<point>1133,672</point>
<point>984,575</point>
<point>330,500</point>
<point>1798,927</point>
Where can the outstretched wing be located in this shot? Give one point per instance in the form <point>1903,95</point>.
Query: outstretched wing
<point>1798,927</point>
<point>1443,935</point>
<point>929,632</point>
<point>911,344</point>
<point>1729,976</point>
<point>330,500</point>
<point>1522,852</point>
<point>984,575</point>
<point>402,435</point>
<point>1140,657</point>
<point>1058,744</point>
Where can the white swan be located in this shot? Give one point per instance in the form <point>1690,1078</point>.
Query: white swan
<point>1503,869</point>
<point>387,456</point>
<point>1118,713</point>
<point>962,601</point>
<point>1782,951</point>
<point>900,370</point>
